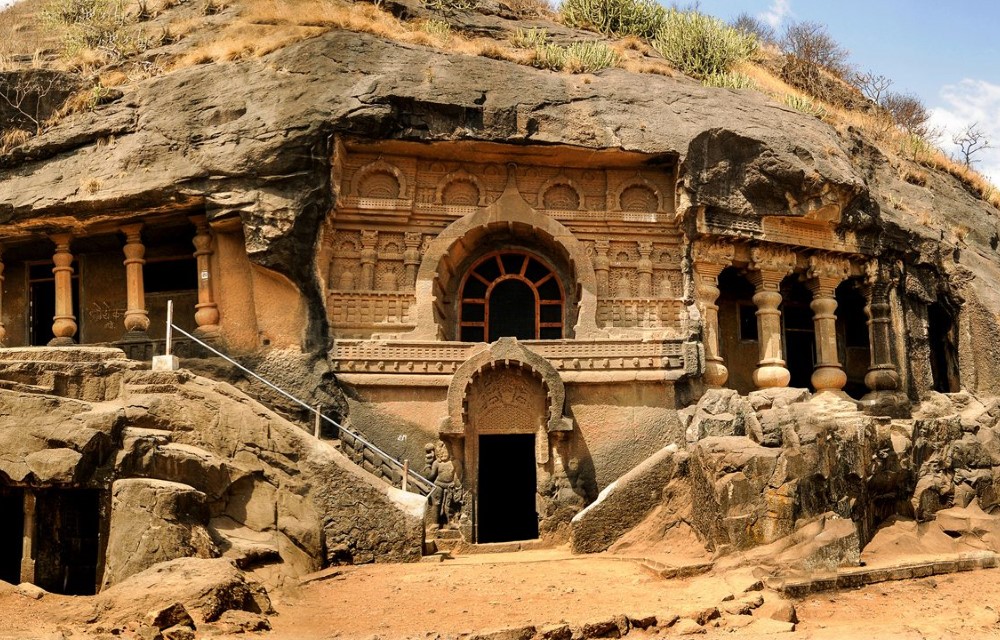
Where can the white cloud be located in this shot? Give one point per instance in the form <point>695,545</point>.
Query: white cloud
<point>775,14</point>
<point>971,102</point>
<point>6,3</point>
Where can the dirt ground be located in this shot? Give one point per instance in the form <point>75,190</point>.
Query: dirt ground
<point>485,592</point>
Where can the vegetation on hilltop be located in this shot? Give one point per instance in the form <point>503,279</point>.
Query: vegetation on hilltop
<point>116,42</point>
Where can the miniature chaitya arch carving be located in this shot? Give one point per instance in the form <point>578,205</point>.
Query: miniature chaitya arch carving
<point>561,194</point>
<point>380,180</point>
<point>460,188</point>
<point>511,294</point>
<point>640,196</point>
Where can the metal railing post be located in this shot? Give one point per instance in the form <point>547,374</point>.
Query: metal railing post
<point>319,416</point>
<point>170,326</point>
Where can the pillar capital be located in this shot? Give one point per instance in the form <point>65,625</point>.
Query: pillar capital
<point>713,252</point>
<point>825,273</point>
<point>769,266</point>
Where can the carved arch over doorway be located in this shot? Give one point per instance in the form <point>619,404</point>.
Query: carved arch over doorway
<point>439,267</point>
<point>506,352</point>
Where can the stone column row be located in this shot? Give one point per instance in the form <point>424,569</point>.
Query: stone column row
<point>768,267</point>
<point>136,321</point>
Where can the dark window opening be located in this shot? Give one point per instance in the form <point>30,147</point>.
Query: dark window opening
<point>505,503</point>
<point>942,335</point>
<point>512,311</point>
<point>510,294</point>
<point>854,347</point>
<point>42,306</point>
<point>748,323</point>
<point>180,274</point>
<point>799,333</point>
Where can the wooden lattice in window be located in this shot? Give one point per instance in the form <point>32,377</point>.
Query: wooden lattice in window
<point>511,293</point>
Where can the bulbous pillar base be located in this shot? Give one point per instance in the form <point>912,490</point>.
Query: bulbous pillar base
<point>770,376</point>
<point>62,342</point>
<point>716,373</point>
<point>828,378</point>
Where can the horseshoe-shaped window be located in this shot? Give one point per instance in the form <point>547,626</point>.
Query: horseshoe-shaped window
<point>511,294</point>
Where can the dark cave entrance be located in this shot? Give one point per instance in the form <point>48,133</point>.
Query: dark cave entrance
<point>67,554</point>
<point>799,333</point>
<point>11,533</point>
<point>942,336</point>
<point>853,341</point>
<point>505,504</point>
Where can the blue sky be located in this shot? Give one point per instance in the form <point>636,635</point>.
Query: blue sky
<point>945,52</point>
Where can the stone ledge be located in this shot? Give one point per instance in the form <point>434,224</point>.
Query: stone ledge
<point>854,577</point>
<point>61,354</point>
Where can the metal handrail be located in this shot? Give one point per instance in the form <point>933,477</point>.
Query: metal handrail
<point>427,484</point>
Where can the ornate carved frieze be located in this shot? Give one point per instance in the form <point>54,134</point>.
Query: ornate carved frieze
<point>642,313</point>
<point>359,356</point>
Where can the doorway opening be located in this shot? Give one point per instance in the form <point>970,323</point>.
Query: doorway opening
<point>853,342</point>
<point>800,334</point>
<point>67,556</point>
<point>42,302</point>
<point>942,334</point>
<point>505,504</point>
<point>11,533</point>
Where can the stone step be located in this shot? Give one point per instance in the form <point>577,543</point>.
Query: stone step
<point>21,387</point>
<point>853,577</point>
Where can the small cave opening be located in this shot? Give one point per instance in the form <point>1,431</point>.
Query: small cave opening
<point>507,485</point>
<point>942,337</point>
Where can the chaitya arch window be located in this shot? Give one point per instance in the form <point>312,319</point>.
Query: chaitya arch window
<point>511,294</point>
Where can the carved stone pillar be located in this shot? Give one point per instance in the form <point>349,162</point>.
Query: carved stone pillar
<point>3,329</point>
<point>64,323</point>
<point>768,268</point>
<point>206,314</point>
<point>411,257</point>
<point>645,270</point>
<point>136,316</point>
<point>369,256</point>
<point>825,273</point>
<point>885,396</point>
<point>709,261</point>
<point>28,538</point>
<point>602,266</point>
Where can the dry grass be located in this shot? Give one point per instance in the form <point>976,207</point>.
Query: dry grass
<point>880,129</point>
<point>24,32</point>
<point>13,138</point>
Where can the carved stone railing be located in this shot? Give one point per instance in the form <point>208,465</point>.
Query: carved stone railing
<point>444,358</point>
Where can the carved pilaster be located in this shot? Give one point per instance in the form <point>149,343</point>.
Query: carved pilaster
<point>824,275</point>
<point>644,268</point>
<point>602,265</point>
<point>885,396</point>
<point>411,256</point>
<point>709,261</point>
<point>768,267</point>
<point>136,317</point>
<point>369,256</point>
<point>64,323</point>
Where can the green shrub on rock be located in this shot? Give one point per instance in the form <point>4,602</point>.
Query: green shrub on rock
<point>701,46</point>
<point>641,18</point>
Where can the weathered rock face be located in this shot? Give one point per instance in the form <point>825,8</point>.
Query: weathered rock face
<point>193,467</point>
<point>154,521</point>
<point>821,483</point>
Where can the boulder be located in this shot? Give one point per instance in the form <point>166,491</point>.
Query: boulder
<point>153,521</point>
